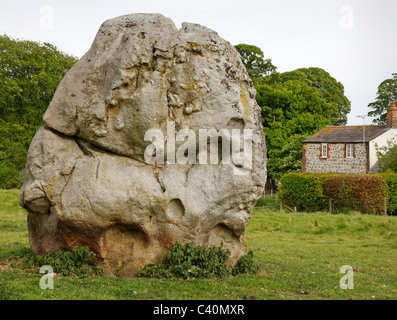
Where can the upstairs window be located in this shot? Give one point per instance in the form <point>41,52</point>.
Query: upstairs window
<point>349,151</point>
<point>324,151</point>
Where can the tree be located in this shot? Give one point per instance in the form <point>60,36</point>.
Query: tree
<point>253,60</point>
<point>329,89</point>
<point>386,95</point>
<point>294,105</point>
<point>290,111</point>
<point>288,158</point>
<point>29,75</point>
<point>387,156</point>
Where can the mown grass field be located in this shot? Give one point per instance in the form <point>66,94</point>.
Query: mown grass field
<point>300,255</point>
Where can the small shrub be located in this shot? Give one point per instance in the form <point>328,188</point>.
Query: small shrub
<point>76,262</point>
<point>189,261</point>
<point>246,264</point>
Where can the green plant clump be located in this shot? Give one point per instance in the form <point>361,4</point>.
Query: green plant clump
<point>77,262</point>
<point>246,264</point>
<point>189,261</point>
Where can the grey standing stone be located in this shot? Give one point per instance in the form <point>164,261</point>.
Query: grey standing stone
<point>86,180</point>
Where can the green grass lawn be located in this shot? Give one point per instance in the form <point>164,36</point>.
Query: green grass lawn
<point>300,255</point>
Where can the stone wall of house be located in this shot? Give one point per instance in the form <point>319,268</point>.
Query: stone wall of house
<point>336,160</point>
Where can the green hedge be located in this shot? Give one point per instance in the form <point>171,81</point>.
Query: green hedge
<point>303,191</point>
<point>391,180</point>
<point>312,191</point>
<point>364,191</point>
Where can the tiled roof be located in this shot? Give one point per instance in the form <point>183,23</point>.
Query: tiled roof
<point>345,134</point>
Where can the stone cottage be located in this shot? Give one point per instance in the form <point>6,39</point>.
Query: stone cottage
<point>348,149</point>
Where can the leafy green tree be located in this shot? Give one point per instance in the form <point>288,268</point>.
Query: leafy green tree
<point>290,111</point>
<point>253,59</point>
<point>273,100</point>
<point>288,158</point>
<point>329,89</point>
<point>29,75</point>
<point>387,156</point>
<point>386,95</point>
<point>294,105</point>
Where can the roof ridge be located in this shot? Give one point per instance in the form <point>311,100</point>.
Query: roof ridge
<point>345,134</point>
<point>357,125</point>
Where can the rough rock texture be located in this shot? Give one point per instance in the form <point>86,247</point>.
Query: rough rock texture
<point>87,182</point>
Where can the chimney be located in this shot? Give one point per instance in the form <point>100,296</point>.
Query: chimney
<point>392,116</point>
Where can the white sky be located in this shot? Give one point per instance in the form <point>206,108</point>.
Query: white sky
<point>354,40</point>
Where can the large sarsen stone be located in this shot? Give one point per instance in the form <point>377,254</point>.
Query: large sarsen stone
<point>87,180</point>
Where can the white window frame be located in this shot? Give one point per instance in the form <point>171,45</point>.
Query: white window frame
<point>324,150</point>
<point>350,151</point>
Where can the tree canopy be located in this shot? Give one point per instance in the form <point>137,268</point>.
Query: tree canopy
<point>253,59</point>
<point>294,105</point>
<point>386,95</point>
<point>287,158</point>
<point>29,75</point>
<point>329,89</point>
<point>387,156</point>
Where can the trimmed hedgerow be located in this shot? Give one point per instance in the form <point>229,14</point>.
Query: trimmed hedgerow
<point>311,191</point>
<point>367,190</point>
<point>391,180</point>
<point>303,191</point>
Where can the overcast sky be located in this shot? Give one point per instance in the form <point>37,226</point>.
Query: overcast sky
<point>354,40</point>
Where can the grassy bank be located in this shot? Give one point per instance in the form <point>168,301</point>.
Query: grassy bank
<point>300,257</point>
